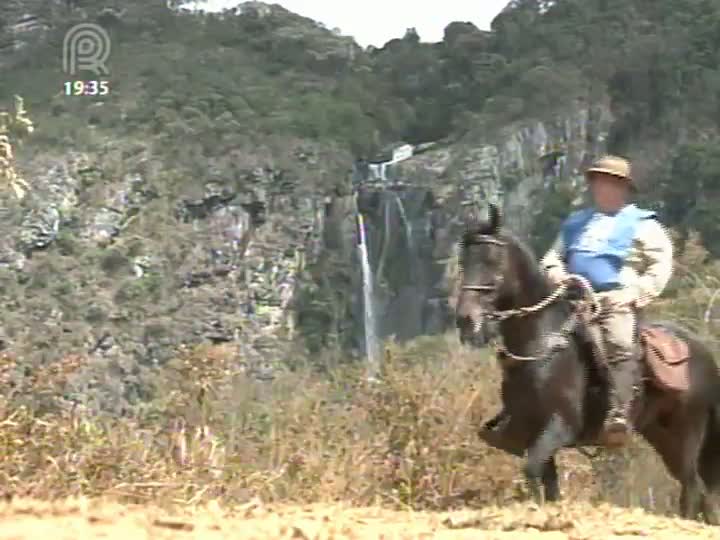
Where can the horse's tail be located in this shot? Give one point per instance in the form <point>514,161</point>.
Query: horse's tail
<point>710,457</point>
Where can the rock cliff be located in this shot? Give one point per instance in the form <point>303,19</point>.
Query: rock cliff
<point>413,209</point>
<point>213,195</point>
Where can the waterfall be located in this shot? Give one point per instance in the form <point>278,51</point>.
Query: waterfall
<point>379,171</point>
<point>406,222</point>
<point>384,251</point>
<point>372,345</point>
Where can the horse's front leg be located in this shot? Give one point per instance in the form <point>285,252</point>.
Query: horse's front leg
<point>540,468</point>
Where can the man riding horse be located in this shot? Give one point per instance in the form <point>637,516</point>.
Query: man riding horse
<point>626,255</point>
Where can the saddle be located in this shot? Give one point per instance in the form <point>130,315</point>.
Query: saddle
<point>666,357</point>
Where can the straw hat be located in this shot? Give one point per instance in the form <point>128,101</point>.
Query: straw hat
<point>612,165</point>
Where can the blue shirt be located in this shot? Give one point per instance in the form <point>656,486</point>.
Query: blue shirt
<point>596,243</point>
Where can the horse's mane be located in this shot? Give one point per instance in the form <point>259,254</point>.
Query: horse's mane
<point>537,279</point>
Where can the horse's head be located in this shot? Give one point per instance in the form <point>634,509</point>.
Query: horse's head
<point>485,264</point>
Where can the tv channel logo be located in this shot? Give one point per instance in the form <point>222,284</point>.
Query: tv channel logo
<point>86,47</point>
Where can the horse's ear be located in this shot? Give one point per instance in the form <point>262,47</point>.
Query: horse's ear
<point>495,218</point>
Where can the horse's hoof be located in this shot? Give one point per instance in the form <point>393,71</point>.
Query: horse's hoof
<point>495,439</point>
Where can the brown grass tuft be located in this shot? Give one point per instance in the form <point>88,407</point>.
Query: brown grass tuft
<point>408,442</point>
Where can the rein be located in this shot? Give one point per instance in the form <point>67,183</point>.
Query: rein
<point>559,292</point>
<point>526,310</point>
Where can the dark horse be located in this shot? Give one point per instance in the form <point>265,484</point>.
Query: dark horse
<point>556,397</point>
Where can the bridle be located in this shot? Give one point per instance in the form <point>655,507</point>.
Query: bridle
<point>497,283</point>
<point>559,292</point>
<point>501,315</point>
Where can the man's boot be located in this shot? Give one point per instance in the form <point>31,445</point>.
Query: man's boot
<point>497,422</point>
<point>623,387</point>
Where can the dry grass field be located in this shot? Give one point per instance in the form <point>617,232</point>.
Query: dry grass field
<point>308,455</point>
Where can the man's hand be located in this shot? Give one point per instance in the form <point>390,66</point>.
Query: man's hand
<point>556,275</point>
<point>620,299</point>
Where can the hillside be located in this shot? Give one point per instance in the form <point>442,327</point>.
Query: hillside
<point>183,297</point>
<point>208,197</point>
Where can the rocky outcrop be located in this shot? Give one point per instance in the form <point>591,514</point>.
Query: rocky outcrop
<point>264,258</point>
<point>151,272</point>
<point>206,220</point>
<point>412,209</point>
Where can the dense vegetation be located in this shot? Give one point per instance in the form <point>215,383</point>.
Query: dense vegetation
<point>207,97</point>
<point>214,96</point>
<point>285,73</point>
<point>220,81</point>
<point>223,80</point>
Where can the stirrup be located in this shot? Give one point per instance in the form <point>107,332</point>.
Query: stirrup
<point>621,412</point>
<point>617,418</point>
<point>616,432</point>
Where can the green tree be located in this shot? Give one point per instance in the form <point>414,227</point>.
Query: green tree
<point>694,169</point>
